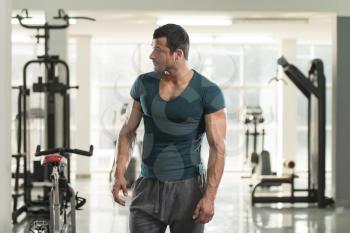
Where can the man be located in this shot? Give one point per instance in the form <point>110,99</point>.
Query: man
<point>178,105</point>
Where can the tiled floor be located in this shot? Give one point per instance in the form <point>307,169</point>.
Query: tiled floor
<point>233,212</point>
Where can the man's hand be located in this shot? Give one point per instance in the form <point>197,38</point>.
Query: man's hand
<point>119,185</point>
<point>204,211</point>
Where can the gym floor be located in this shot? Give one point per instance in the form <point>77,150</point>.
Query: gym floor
<point>233,211</point>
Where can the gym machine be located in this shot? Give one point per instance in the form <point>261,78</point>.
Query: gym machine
<point>54,90</point>
<point>313,88</point>
<point>259,162</point>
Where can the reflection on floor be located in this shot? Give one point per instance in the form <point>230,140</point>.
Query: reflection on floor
<point>233,212</point>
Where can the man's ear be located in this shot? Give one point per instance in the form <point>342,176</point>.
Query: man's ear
<point>179,53</point>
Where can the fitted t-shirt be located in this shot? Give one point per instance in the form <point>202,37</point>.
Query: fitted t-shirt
<point>174,129</point>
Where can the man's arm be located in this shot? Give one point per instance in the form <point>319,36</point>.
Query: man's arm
<point>215,128</point>
<point>126,141</point>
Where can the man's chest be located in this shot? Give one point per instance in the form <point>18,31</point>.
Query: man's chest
<point>181,106</point>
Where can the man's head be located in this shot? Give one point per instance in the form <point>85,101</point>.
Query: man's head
<point>177,38</point>
<point>170,46</point>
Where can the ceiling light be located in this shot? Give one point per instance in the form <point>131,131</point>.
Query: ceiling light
<point>272,20</point>
<point>245,39</point>
<point>233,39</point>
<point>195,21</point>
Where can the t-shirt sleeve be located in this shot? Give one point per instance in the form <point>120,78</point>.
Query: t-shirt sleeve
<point>135,91</point>
<point>214,99</point>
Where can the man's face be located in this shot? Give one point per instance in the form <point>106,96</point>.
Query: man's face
<point>161,56</point>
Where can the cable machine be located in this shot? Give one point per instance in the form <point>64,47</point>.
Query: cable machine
<point>313,88</point>
<point>52,87</point>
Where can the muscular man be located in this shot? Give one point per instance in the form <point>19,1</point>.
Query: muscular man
<point>178,106</point>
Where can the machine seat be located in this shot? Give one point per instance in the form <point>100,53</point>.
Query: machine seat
<point>54,160</point>
<point>276,179</point>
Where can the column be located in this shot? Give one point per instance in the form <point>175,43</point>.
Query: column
<point>287,139</point>
<point>5,113</point>
<point>341,110</point>
<point>83,103</point>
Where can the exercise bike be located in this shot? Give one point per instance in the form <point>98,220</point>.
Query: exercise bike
<point>62,196</point>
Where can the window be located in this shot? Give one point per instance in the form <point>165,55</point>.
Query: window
<point>241,71</point>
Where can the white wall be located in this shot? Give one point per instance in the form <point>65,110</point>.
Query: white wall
<point>5,113</point>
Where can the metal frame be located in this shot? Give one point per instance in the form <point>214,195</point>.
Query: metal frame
<point>51,87</point>
<point>315,92</point>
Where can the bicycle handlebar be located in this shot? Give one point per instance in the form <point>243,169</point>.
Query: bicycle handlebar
<point>61,15</point>
<point>63,151</point>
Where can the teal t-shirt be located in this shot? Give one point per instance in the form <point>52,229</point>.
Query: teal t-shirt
<point>174,129</point>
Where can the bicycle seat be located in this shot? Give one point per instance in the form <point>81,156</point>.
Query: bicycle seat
<point>54,160</point>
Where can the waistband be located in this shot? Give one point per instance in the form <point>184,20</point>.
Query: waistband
<point>188,173</point>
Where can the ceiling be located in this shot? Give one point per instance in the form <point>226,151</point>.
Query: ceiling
<point>138,26</point>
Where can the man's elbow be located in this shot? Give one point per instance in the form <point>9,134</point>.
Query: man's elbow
<point>127,135</point>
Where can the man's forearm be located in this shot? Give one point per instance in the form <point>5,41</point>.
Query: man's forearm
<point>216,166</point>
<point>124,152</point>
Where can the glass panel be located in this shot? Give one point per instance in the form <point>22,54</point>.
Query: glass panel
<point>233,106</point>
<point>114,63</point>
<point>270,144</point>
<point>95,99</point>
<point>21,53</point>
<point>301,160</point>
<point>302,110</point>
<point>115,67</point>
<point>263,97</point>
<point>260,63</point>
<point>303,58</point>
<point>218,63</point>
<point>324,52</point>
<point>109,109</point>
<point>235,150</point>
<point>141,61</point>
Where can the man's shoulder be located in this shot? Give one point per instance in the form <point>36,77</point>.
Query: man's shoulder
<point>205,82</point>
<point>150,75</point>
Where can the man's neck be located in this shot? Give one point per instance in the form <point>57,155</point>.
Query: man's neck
<point>178,76</point>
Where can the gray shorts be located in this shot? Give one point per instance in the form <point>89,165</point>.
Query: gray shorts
<point>157,204</point>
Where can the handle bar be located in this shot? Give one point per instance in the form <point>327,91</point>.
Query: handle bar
<point>63,151</point>
<point>61,15</point>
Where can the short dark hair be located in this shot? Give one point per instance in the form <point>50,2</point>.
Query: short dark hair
<point>177,37</point>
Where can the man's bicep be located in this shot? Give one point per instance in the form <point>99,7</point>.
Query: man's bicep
<point>215,126</point>
<point>133,119</point>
